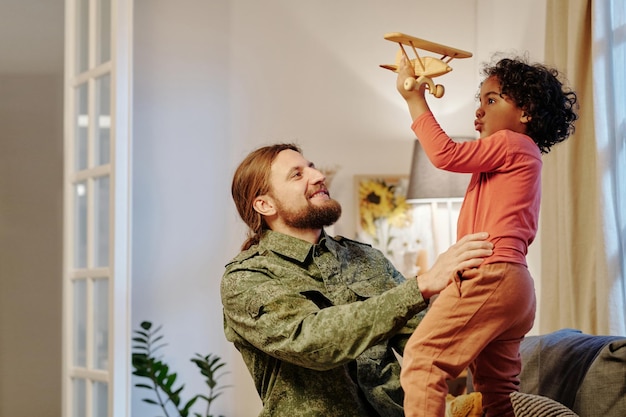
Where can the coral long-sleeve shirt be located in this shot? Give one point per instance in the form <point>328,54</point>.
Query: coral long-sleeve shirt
<point>504,192</point>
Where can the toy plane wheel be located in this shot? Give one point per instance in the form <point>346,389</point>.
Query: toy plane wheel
<point>439,91</point>
<point>410,84</point>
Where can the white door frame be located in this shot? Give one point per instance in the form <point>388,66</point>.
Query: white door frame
<point>111,370</point>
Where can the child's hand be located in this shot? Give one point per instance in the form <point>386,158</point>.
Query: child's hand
<point>405,70</point>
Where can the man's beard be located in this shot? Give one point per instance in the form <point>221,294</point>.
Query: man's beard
<point>311,217</point>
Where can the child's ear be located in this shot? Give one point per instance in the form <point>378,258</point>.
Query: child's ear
<point>525,117</point>
<point>264,205</point>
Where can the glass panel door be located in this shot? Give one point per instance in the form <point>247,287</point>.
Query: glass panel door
<point>96,354</point>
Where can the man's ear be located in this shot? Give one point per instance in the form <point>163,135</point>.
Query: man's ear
<point>264,205</point>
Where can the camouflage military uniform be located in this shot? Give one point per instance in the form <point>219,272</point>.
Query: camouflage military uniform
<point>316,324</point>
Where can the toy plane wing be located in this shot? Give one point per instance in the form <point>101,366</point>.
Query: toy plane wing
<point>437,48</point>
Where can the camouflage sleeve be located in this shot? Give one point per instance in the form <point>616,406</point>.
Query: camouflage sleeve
<point>303,328</point>
<point>379,372</point>
<point>399,340</point>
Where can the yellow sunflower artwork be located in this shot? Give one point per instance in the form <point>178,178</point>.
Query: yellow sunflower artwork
<point>381,208</point>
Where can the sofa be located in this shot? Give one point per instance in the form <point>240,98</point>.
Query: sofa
<point>569,373</point>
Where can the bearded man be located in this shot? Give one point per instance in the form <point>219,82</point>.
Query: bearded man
<point>317,318</point>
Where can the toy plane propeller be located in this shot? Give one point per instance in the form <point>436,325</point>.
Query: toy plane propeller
<point>425,67</point>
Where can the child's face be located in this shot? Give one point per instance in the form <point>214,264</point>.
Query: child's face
<point>497,111</point>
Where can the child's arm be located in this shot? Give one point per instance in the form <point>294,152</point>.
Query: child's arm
<point>415,99</point>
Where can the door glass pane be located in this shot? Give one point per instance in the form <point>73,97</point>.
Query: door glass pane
<point>103,116</point>
<point>80,225</point>
<point>101,323</point>
<point>82,35</point>
<point>79,387</point>
<point>101,221</point>
<point>104,31</point>
<point>100,399</point>
<point>80,324</point>
<point>82,126</point>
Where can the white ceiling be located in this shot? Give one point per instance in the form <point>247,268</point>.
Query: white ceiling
<point>31,36</point>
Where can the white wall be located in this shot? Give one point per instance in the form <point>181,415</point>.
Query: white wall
<point>214,80</point>
<point>309,72</point>
<point>181,150</point>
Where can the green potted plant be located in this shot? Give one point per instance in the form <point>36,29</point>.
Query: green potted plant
<point>157,377</point>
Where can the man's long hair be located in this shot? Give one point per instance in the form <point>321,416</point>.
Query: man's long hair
<point>251,180</point>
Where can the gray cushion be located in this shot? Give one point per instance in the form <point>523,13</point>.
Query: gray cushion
<point>555,365</point>
<point>586,373</point>
<point>603,391</point>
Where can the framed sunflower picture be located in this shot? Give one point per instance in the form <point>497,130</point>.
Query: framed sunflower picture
<point>384,218</point>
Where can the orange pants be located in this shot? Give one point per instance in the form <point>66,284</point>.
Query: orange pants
<point>477,322</point>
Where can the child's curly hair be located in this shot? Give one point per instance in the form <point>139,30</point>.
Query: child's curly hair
<point>537,89</point>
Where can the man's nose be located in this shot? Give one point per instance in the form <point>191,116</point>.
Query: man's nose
<point>317,175</point>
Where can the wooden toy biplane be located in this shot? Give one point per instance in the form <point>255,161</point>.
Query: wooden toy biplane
<point>426,67</point>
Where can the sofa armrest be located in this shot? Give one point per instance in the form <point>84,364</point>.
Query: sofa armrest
<point>603,391</point>
<point>556,365</point>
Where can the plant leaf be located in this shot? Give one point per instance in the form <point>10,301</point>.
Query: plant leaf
<point>169,381</point>
<point>141,340</point>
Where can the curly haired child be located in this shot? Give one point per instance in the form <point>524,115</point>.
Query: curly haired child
<point>479,320</point>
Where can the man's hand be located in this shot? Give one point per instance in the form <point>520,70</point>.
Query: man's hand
<point>469,252</point>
